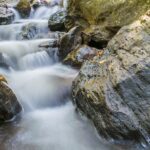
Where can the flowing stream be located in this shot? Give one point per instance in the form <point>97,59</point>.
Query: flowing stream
<point>42,85</point>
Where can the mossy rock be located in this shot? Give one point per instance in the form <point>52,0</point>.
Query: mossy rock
<point>24,8</point>
<point>107,16</point>
<point>9,105</point>
<point>78,56</point>
<point>114,90</point>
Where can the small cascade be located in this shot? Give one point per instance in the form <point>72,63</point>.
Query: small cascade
<point>23,27</point>
<point>11,32</point>
<point>42,87</point>
<point>17,16</point>
<point>65,3</point>
<point>45,12</point>
<point>35,60</point>
<point>15,50</point>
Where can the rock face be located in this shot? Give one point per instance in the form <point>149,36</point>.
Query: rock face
<point>102,19</point>
<point>24,8</point>
<point>9,106</point>
<point>107,13</point>
<point>114,91</point>
<point>69,42</point>
<point>6,16</point>
<point>78,56</point>
<point>57,21</point>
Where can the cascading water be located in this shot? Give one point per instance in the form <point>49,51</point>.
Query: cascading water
<point>42,85</point>
<point>17,16</point>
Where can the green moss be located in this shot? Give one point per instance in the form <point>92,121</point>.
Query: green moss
<point>23,4</point>
<point>110,12</point>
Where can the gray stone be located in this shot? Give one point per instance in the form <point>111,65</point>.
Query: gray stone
<point>114,91</point>
<point>57,20</point>
<point>6,16</point>
<point>69,42</point>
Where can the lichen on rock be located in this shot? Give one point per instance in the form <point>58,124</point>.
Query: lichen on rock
<point>24,8</point>
<point>114,90</point>
<point>9,105</point>
<point>102,19</point>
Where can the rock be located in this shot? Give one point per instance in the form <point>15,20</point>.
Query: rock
<point>24,8</point>
<point>49,44</point>
<point>51,47</point>
<point>99,36</point>
<point>6,16</point>
<point>102,19</point>
<point>28,32</point>
<point>2,79</point>
<point>9,106</point>
<point>57,20</point>
<point>78,56</point>
<point>114,90</point>
<point>69,42</point>
<point>35,4</point>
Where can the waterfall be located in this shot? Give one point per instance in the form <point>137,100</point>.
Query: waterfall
<point>17,16</point>
<point>35,60</point>
<point>11,31</point>
<point>45,12</point>
<point>43,88</point>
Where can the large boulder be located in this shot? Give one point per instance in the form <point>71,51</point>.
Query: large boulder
<point>6,15</point>
<point>102,19</point>
<point>114,90</point>
<point>24,8</point>
<point>57,21</point>
<point>9,105</point>
<point>69,42</point>
<point>78,56</point>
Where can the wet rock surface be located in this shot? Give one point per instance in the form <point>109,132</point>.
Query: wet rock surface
<point>114,90</point>
<point>78,56</point>
<point>9,105</point>
<point>69,42</point>
<point>57,21</point>
<point>6,15</point>
<point>28,32</point>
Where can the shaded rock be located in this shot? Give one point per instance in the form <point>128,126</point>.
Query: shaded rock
<point>99,37</point>
<point>69,42</point>
<point>24,8</point>
<point>102,19</point>
<point>57,20</point>
<point>78,56</point>
<point>35,4</point>
<point>114,90</point>
<point>9,106</point>
<point>6,16</point>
